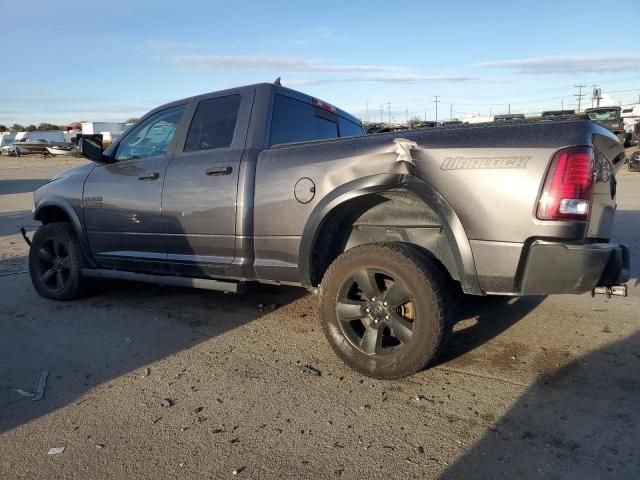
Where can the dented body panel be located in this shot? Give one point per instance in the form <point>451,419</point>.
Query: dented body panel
<point>465,195</point>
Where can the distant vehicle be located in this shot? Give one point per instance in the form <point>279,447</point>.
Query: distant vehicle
<point>372,128</point>
<point>451,122</point>
<point>27,145</point>
<point>59,150</point>
<point>11,150</point>
<point>631,116</point>
<point>558,113</point>
<point>609,118</point>
<point>634,161</point>
<point>509,117</point>
<point>263,183</point>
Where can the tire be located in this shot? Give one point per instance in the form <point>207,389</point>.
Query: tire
<point>55,262</point>
<point>385,310</point>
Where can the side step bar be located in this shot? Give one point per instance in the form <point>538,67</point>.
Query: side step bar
<point>204,283</point>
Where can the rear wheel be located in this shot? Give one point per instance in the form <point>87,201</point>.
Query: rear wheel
<point>55,262</point>
<point>384,311</point>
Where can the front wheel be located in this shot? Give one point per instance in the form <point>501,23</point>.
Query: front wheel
<point>55,262</point>
<point>384,310</point>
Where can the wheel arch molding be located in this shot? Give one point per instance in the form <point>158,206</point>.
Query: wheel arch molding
<point>50,209</point>
<point>330,217</point>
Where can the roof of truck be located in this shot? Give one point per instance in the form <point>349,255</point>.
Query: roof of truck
<point>259,86</point>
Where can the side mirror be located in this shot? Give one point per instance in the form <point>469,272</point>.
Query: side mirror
<point>90,146</point>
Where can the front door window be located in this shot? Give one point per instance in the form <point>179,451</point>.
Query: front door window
<point>152,137</point>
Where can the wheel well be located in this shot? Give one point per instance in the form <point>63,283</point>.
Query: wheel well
<point>52,213</point>
<point>392,216</point>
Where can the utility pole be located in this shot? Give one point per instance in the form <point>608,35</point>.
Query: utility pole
<point>436,101</point>
<point>451,112</point>
<point>425,114</point>
<point>562,104</point>
<point>389,107</point>
<point>407,116</point>
<point>381,113</point>
<point>579,95</point>
<point>509,108</point>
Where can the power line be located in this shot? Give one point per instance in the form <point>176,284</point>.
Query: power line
<point>436,101</point>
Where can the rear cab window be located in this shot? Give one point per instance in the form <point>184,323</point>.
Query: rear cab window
<point>295,120</point>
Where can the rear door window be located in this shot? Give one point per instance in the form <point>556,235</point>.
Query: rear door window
<point>213,124</point>
<point>297,121</point>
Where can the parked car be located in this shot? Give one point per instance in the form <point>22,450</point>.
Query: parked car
<point>608,117</point>
<point>558,113</point>
<point>267,184</point>
<point>634,161</point>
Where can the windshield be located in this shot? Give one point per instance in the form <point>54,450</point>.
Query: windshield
<point>604,115</point>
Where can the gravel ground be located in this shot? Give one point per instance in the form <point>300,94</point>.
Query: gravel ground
<point>529,388</point>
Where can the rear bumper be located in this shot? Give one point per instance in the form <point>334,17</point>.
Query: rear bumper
<point>552,267</point>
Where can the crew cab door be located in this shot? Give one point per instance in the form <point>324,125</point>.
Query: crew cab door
<point>199,197</point>
<point>122,200</point>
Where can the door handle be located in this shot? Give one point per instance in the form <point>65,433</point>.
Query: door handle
<point>149,176</point>
<point>219,171</point>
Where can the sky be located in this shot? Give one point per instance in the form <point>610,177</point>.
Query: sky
<point>109,61</point>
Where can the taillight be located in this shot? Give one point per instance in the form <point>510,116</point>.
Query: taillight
<point>568,187</point>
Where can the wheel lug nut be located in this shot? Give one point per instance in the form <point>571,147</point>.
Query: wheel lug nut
<point>367,310</point>
<point>386,317</point>
<point>385,303</point>
<point>373,299</point>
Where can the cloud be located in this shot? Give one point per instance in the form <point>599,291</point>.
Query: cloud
<point>264,62</point>
<point>408,78</point>
<point>569,64</point>
<point>351,72</point>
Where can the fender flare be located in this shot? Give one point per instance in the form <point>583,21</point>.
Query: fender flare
<point>451,224</point>
<point>68,209</point>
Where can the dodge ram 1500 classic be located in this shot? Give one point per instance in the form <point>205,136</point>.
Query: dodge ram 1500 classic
<point>263,183</point>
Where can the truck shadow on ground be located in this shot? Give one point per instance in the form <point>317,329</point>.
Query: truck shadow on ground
<point>493,315</point>
<point>10,222</point>
<point>120,330</point>
<point>124,326</point>
<point>28,185</point>
<point>579,421</point>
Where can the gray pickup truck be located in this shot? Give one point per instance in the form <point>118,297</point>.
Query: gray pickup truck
<point>266,184</point>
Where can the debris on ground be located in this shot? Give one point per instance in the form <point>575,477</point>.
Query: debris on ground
<point>146,372</point>
<point>311,369</point>
<point>167,402</point>
<point>238,470</point>
<point>41,384</point>
<point>157,420</point>
<point>55,450</point>
<point>100,445</point>
<point>422,398</point>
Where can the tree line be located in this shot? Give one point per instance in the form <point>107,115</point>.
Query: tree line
<point>16,127</point>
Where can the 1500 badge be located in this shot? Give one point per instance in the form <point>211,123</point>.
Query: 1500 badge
<point>488,163</point>
<point>92,202</point>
